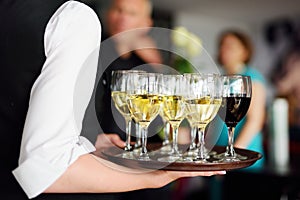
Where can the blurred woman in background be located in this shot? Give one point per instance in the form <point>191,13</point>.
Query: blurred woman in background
<point>235,52</point>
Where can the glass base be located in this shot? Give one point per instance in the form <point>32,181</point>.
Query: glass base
<point>144,157</point>
<point>128,155</point>
<point>128,148</point>
<point>190,153</point>
<point>166,149</point>
<point>171,158</point>
<point>200,160</point>
<point>185,159</point>
<point>137,145</point>
<point>137,150</point>
<point>225,158</point>
<point>193,153</point>
<point>228,160</point>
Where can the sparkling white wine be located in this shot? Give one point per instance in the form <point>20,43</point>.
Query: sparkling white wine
<point>189,118</point>
<point>201,111</point>
<point>174,109</point>
<point>144,108</point>
<point>120,102</point>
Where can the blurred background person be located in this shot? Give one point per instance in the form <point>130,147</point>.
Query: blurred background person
<point>126,26</point>
<point>234,54</point>
<point>287,82</point>
<point>126,15</point>
<point>288,86</point>
<point>235,51</point>
<point>126,29</point>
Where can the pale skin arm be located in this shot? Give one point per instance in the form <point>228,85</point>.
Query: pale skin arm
<point>255,116</point>
<point>92,174</point>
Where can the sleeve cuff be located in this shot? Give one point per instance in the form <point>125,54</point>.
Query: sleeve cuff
<point>36,173</point>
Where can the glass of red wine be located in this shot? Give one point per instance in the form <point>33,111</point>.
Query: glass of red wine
<point>236,98</point>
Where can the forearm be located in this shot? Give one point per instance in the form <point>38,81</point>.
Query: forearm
<point>146,49</point>
<point>94,175</point>
<point>253,126</point>
<point>249,131</point>
<point>90,174</point>
<point>255,117</point>
<point>149,55</point>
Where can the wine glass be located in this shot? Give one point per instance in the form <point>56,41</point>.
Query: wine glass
<point>237,92</point>
<point>138,129</point>
<point>173,110</point>
<point>144,102</point>
<point>118,93</point>
<point>203,101</point>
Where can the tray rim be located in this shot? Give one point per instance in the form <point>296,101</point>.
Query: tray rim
<point>180,166</point>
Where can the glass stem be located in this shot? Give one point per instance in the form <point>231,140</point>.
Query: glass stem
<point>138,130</point>
<point>128,134</point>
<point>166,133</point>
<point>193,138</point>
<point>201,151</point>
<point>175,140</point>
<point>230,150</point>
<point>144,152</point>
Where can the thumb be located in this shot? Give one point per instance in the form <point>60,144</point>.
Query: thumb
<point>116,140</point>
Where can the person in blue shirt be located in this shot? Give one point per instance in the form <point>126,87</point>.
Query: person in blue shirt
<point>235,52</point>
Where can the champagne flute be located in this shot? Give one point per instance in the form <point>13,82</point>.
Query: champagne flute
<point>173,110</point>
<point>138,129</point>
<point>144,102</point>
<point>237,92</point>
<point>118,93</point>
<point>203,101</point>
<point>118,88</point>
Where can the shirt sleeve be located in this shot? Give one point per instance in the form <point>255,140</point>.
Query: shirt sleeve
<point>51,139</point>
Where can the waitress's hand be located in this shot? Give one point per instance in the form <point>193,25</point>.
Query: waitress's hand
<point>108,140</point>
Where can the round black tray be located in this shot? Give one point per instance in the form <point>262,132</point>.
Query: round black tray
<point>114,154</point>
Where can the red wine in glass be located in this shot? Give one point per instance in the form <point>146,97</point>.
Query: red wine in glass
<point>234,108</point>
<point>236,98</point>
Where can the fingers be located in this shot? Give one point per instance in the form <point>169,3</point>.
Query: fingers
<point>116,140</point>
<point>177,174</point>
<point>108,140</point>
<point>193,174</point>
<point>214,173</point>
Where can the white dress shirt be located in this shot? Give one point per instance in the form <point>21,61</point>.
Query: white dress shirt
<point>51,139</point>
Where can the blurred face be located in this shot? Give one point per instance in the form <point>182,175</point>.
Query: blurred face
<point>128,14</point>
<point>232,52</point>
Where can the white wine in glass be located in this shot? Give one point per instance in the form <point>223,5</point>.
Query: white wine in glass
<point>144,102</point>
<point>173,110</point>
<point>203,101</point>
<point>118,88</point>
